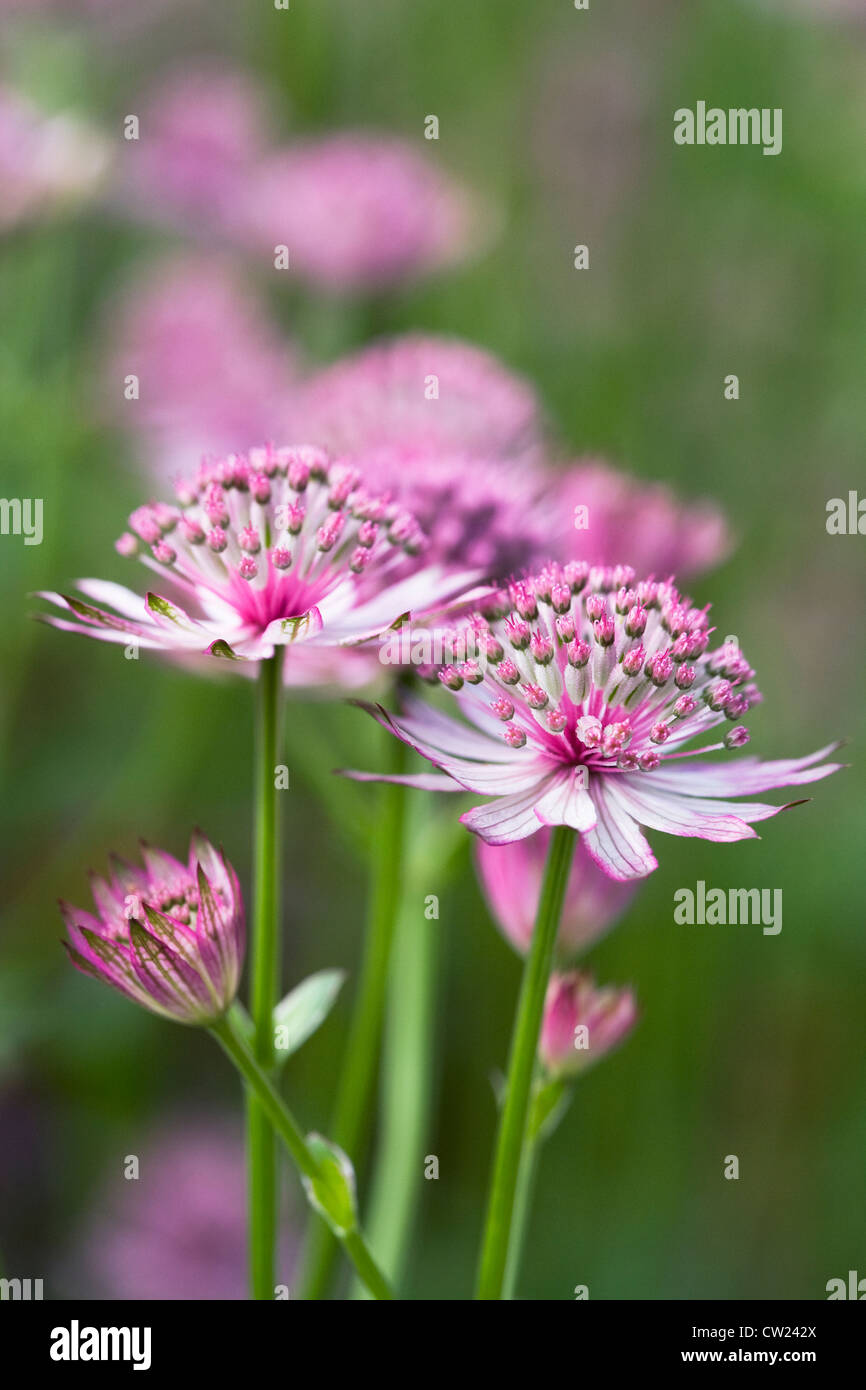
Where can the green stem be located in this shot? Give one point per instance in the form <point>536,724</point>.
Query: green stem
<point>407,1071</point>
<point>522,1205</point>
<point>355,1088</point>
<point>524,1043</point>
<point>230,1037</point>
<point>264,951</point>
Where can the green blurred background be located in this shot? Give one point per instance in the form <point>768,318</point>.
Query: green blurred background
<point>703,262</point>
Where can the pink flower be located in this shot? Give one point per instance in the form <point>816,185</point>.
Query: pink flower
<point>201,131</point>
<point>454,430</point>
<point>644,522</point>
<point>276,547</point>
<point>581,691</point>
<point>582,1023</point>
<point>178,1231</point>
<point>169,936</point>
<point>46,161</point>
<point>511,877</point>
<point>359,211</point>
<point>213,372</point>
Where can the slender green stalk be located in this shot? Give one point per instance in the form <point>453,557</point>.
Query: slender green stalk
<point>546,1109</point>
<point>407,1079</point>
<point>265,956</point>
<point>522,1205</point>
<point>355,1088</point>
<point>524,1042</point>
<point>229,1034</point>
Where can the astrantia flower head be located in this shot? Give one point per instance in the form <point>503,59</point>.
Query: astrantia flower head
<point>582,1023</point>
<point>588,697</point>
<point>360,211</point>
<point>511,877</point>
<point>274,547</point>
<point>169,936</point>
<point>455,430</point>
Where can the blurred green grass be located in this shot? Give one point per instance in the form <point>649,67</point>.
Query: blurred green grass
<point>710,261</point>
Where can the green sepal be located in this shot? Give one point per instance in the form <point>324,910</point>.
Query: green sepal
<point>332,1192</point>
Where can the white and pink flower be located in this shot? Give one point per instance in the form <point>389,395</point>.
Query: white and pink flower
<point>582,696</point>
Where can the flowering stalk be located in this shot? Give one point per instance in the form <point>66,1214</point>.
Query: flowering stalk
<point>362,1045</point>
<point>551,1100</point>
<point>261,1147</point>
<point>314,1159</point>
<point>527,1027</point>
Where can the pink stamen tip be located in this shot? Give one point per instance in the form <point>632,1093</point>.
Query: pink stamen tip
<point>367,533</point>
<point>523,598</point>
<point>250,540</point>
<point>535,697</point>
<point>736,738</point>
<point>686,704</point>
<point>660,668</point>
<point>628,763</point>
<point>330,531</point>
<point>248,568</point>
<point>605,631</point>
<point>281,558</point>
<point>632,662</point>
<point>649,761</point>
<point>450,676</point>
<point>596,606</point>
<point>660,733</point>
<point>514,737</point>
<point>164,553</point>
<point>565,628</point>
<point>541,648</point>
<point>685,677</point>
<point>556,721</point>
<point>508,672</point>
<point>518,631</point>
<point>217,540</point>
<point>578,653</point>
<point>145,525</point>
<point>503,708</point>
<point>127,544</point>
<point>560,597</point>
<point>636,622</point>
<point>361,558</point>
<point>575,574</point>
<point>616,736</point>
<point>191,531</point>
<point>589,731</point>
<point>471,672</point>
<point>261,488</point>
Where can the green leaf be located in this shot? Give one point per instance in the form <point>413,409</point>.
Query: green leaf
<point>304,1010</point>
<point>332,1193</point>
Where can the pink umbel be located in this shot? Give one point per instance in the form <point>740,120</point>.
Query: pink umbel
<point>511,877</point>
<point>213,372</point>
<point>359,211</point>
<point>582,1023</point>
<point>169,936</point>
<point>605,514</point>
<point>273,548</point>
<point>581,690</point>
<point>202,129</point>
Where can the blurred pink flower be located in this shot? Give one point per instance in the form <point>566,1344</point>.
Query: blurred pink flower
<point>454,430</point>
<point>178,1231</point>
<point>582,1023</point>
<point>359,211</point>
<point>213,371</point>
<point>201,131</point>
<point>46,161</point>
<point>511,877</point>
<point>641,522</point>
